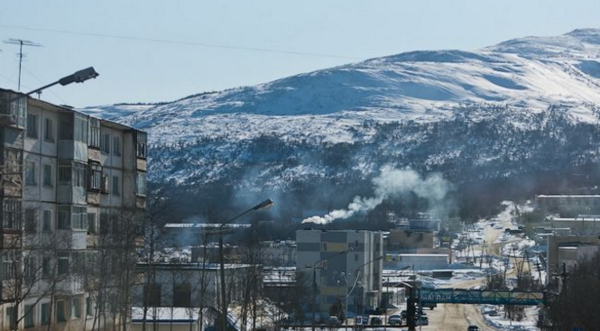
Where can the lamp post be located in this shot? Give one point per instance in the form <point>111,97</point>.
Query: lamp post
<point>77,77</point>
<point>356,273</point>
<point>314,268</point>
<point>263,205</point>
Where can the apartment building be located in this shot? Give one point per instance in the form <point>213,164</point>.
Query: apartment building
<point>346,266</point>
<point>72,189</point>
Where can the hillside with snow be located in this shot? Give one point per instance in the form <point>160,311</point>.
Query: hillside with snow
<point>524,110</point>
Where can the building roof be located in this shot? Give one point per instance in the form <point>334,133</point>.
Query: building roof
<point>557,196</point>
<point>204,225</point>
<point>576,219</point>
<point>194,266</point>
<point>166,314</point>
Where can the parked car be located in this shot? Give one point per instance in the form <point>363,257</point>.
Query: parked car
<point>422,320</point>
<point>395,320</point>
<point>473,328</point>
<point>493,313</point>
<point>361,320</point>
<point>403,314</point>
<point>376,321</point>
<point>430,305</point>
<point>333,320</point>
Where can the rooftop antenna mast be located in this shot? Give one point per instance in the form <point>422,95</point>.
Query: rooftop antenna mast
<point>21,43</point>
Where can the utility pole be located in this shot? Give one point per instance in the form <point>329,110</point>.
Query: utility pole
<point>410,308</point>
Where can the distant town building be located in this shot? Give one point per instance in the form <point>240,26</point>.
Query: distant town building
<point>568,250</point>
<point>278,253</point>
<point>565,203</point>
<point>586,225</point>
<point>189,288</point>
<point>416,261</point>
<point>344,265</point>
<point>404,240</point>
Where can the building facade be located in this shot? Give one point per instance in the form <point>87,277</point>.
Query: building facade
<point>343,265</point>
<point>73,189</point>
<point>188,288</point>
<point>569,204</point>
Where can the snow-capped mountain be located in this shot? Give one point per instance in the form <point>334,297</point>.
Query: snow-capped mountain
<point>520,109</point>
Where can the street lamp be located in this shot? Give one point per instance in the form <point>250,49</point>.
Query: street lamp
<point>314,268</point>
<point>263,205</point>
<point>78,77</point>
<point>356,275</point>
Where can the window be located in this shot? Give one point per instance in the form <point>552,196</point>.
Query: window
<point>79,178</point>
<point>45,313</point>
<point>64,217</point>
<point>30,173</point>
<point>18,109</point>
<point>48,180</point>
<point>46,268</point>
<point>65,131</point>
<point>9,265</point>
<point>79,219</point>
<point>141,144</point>
<point>116,185</point>
<point>28,319</point>
<point>182,295</point>
<point>10,315</point>
<point>94,132</point>
<point>63,265</point>
<point>30,221</point>
<point>32,125</point>
<point>75,308</point>
<point>47,222</point>
<point>89,308</point>
<point>49,130</point>
<point>104,226</point>
<point>152,295</point>
<point>91,219</point>
<point>117,146</point>
<point>140,183</point>
<point>64,174</point>
<point>95,182</point>
<point>355,257</point>
<point>30,268</point>
<point>105,143</point>
<point>11,215</point>
<point>80,128</point>
<point>60,311</point>
<point>104,188</point>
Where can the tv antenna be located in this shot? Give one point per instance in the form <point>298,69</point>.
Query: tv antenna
<point>21,43</point>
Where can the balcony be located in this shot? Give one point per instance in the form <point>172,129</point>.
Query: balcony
<point>70,286</point>
<point>72,239</point>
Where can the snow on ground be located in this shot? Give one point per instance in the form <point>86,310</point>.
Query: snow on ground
<point>494,316</point>
<point>493,231</point>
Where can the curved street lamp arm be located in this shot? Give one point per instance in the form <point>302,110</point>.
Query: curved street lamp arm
<point>263,205</point>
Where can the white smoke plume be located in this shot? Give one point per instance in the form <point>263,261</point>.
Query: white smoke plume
<point>392,183</point>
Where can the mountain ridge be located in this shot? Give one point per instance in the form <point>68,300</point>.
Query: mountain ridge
<point>344,123</point>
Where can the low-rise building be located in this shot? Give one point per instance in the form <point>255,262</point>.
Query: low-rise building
<point>568,203</point>
<point>416,261</point>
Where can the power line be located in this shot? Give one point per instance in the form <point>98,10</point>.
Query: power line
<point>183,42</point>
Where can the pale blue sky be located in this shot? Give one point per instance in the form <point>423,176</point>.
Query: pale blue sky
<point>212,45</point>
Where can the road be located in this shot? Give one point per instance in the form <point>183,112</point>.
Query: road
<point>458,317</point>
